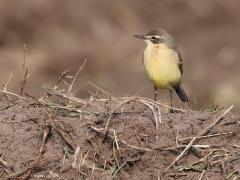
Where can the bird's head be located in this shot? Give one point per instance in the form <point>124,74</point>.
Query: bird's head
<point>158,37</point>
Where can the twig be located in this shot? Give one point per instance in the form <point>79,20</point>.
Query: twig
<point>177,139</point>
<point>65,136</point>
<point>6,84</point>
<point>233,120</point>
<point>23,171</point>
<point>61,77</point>
<point>16,174</point>
<point>234,172</point>
<point>75,157</point>
<point>201,176</point>
<point>125,100</point>
<point>158,175</point>
<point>236,146</point>
<point>114,156</point>
<point>110,116</point>
<point>10,93</point>
<point>93,168</point>
<point>216,122</point>
<point>207,136</point>
<point>101,131</point>
<point>143,98</point>
<point>3,162</point>
<point>202,133</point>
<point>84,158</point>
<point>116,141</point>
<point>122,165</point>
<point>191,166</point>
<point>36,162</point>
<point>184,146</point>
<point>100,89</point>
<point>40,151</point>
<point>5,88</point>
<point>25,70</point>
<point>71,98</point>
<point>157,115</point>
<point>5,165</point>
<point>75,77</point>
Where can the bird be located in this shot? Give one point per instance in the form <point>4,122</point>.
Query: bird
<point>162,62</point>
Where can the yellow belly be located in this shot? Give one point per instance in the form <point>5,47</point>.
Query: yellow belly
<point>162,67</point>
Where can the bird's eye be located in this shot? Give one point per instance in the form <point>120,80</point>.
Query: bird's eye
<point>154,38</point>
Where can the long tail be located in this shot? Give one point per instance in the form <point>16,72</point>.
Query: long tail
<point>181,94</point>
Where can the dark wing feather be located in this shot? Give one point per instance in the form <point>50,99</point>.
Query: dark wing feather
<point>180,65</point>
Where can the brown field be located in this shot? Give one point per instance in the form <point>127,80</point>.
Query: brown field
<point>131,138</point>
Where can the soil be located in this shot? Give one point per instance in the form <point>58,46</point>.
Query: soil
<point>69,142</point>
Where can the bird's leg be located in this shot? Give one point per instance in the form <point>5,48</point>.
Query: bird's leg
<point>155,93</point>
<point>170,91</point>
<point>171,110</point>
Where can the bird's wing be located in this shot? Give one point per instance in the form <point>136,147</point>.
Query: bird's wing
<point>180,65</point>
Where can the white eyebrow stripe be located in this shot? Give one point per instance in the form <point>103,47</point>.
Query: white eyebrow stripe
<point>158,37</point>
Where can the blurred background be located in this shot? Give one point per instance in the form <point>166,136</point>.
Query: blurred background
<point>60,34</point>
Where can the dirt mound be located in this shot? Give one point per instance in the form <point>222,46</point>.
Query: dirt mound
<point>120,139</point>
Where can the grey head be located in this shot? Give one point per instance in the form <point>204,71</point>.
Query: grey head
<point>158,36</point>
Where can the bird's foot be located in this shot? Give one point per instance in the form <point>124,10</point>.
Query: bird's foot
<point>173,111</point>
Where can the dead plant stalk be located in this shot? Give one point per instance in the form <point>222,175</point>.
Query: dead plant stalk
<point>24,70</point>
<point>202,133</point>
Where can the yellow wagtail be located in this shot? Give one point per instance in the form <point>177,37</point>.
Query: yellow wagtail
<point>163,63</point>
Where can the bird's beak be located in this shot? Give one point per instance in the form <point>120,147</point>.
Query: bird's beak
<point>140,37</point>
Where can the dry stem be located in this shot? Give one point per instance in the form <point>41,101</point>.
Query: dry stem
<point>156,112</point>
<point>36,162</point>
<point>24,71</point>
<point>202,133</point>
<point>101,131</point>
<point>75,77</point>
<point>207,136</point>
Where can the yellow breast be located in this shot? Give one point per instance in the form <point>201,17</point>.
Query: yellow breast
<point>162,66</point>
